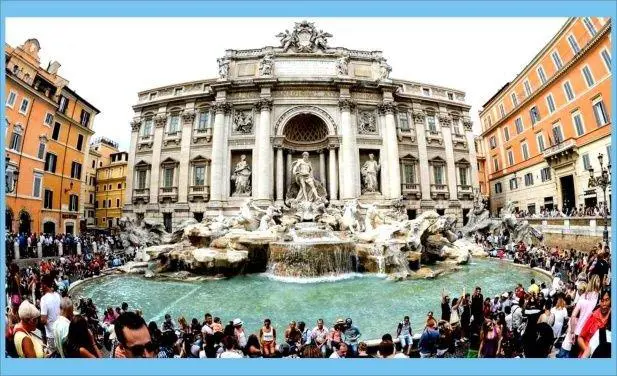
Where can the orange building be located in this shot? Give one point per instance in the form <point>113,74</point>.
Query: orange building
<point>543,130</point>
<point>48,130</point>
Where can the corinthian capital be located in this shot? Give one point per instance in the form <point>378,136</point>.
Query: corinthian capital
<point>188,116</point>
<point>445,120</point>
<point>264,104</point>
<point>346,104</point>
<point>387,108</point>
<point>160,120</point>
<point>467,123</point>
<point>221,107</point>
<point>135,124</point>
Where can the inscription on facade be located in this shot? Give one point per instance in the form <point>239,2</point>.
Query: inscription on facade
<point>362,71</point>
<point>304,68</point>
<point>246,69</point>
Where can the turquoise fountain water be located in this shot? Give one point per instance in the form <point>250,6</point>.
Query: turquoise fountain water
<point>374,303</point>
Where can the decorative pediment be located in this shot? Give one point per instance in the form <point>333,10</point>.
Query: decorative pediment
<point>462,162</point>
<point>169,162</point>
<point>200,159</point>
<point>409,158</point>
<point>142,165</point>
<point>437,161</point>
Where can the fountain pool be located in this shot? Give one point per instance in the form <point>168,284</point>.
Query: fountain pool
<point>375,304</point>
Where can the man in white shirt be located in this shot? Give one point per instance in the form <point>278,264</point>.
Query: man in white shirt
<point>61,326</point>
<point>319,336</point>
<point>341,352</point>
<point>50,309</point>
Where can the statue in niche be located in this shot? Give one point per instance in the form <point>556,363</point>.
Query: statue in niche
<point>241,177</point>
<point>369,172</point>
<point>243,122</point>
<point>367,123</point>
<point>342,66</point>
<point>265,65</point>
<point>302,170</point>
<point>223,68</point>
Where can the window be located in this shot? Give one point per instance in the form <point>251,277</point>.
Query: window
<point>495,164</point>
<point>141,179</point>
<point>606,56</point>
<point>557,60</point>
<point>76,170</point>
<point>199,176</point>
<point>119,185</point>
<point>498,188</point>
<point>510,157</point>
<point>204,117</point>
<point>25,103</point>
<point>168,178</point>
<point>50,162</point>
<point>589,25</point>
<point>525,151</point>
<point>80,142</point>
<point>117,202</point>
<point>426,92</point>
<point>16,139</point>
<point>557,134</point>
<point>109,203</point>
<point>49,199</point>
<point>534,114</point>
<point>519,125</point>
<point>41,153</point>
<point>409,173</point>
<point>174,124</point>
<point>514,99</point>
<point>104,187</point>
<point>49,118</point>
<point>492,143</point>
<point>502,110</point>
<point>450,96</point>
<point>527,87</point>
<point>600,113</point>
<point>438,174</point>
<point>431,123</point>
<point>577,121</point>
<point>63,103</point>
<point>545,174</point>
<point>104,204</point>
<point>506,133</point>
<point>567,88</point>
<point>586,163</point>
<point>91,198</point>
<point>541,74</point>
<point>588,77</point>
<point>56,133</point>
<point>73,203</point>
<point>36,189</point>
<point>84,118</point>
<point>540,139</point>
<point>528,179</point>
<point>403,122</point>
<point>462,175</point>
<point>573,44</point>
<point>550,102</point>
<point>513,184</point>
<point>11,98</point>
<point>456,127</point>
<point>146,128</point>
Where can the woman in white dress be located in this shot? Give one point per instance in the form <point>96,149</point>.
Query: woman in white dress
<point>561,314</point>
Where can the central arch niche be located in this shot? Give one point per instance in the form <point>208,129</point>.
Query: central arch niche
<point>305,132</point>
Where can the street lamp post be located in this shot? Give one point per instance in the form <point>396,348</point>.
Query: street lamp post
<point>602,181</point>
<point>10,185</point>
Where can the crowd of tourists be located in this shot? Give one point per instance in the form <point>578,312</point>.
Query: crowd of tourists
<point>569,317</point>
<point>582,211</point>
<point>51,245</point>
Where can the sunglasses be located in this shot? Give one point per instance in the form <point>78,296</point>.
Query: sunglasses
<point>138,350</point>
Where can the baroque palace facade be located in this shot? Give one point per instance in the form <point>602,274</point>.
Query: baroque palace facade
<point>202,148</point>
<point>544,130</point>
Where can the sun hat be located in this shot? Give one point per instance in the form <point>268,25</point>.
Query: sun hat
<point>237,322</point>
<point>340,321</point>
<point>504,295</point>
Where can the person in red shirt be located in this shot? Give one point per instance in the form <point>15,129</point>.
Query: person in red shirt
<point>600,317</point>
<point>519,291</point>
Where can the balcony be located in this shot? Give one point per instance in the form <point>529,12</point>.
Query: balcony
<point>562,147</point>
<point>141,194</point>
<point>199,193</point>
<point>439,191</point>
<point>411,189</point>
<point>464,192</point>
<point>168,194</point>
<point>562,154</point>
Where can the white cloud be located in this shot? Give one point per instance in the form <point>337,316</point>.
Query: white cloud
<point>108,60</point>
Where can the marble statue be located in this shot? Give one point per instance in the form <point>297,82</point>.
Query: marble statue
<point>321,39</point>
<point>302,170</point>
<point>241,177</point>
<point>266,221</point>
<point>223,68</point>
<point>384,70</point>
<point>287,39</point>
<point>349,220</point>
<point>369,172</point>
<point>304,38</point>
<point>265,65</point>
<point>342,66</point>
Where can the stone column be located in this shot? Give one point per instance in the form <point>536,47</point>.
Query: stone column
<point>475,181</point>
<point>130,172</point>
<point>446,132</point>
<point>288,163</point>
<point>391,146</point>
<point>333,187</point>
<point>218,148</point>
<point>160,122</point>
<point>280,174</point>
<point>263,169</point>
<point>425,177</point>
<point>350,163</point>
<point>322,167</point>
<point>188,117</point>
<point>383,159</point>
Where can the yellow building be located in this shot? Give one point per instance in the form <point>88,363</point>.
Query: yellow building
<point>110,189</point>
<point>99,155</point>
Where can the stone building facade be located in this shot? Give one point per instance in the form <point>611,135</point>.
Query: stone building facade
<point>202,148</point>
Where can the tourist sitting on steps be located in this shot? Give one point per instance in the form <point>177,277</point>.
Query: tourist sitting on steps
<point>405,335</point>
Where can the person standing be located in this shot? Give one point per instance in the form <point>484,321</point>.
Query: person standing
<point>27,344</point>
<point>50,309</point>
<point>61,326</point>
